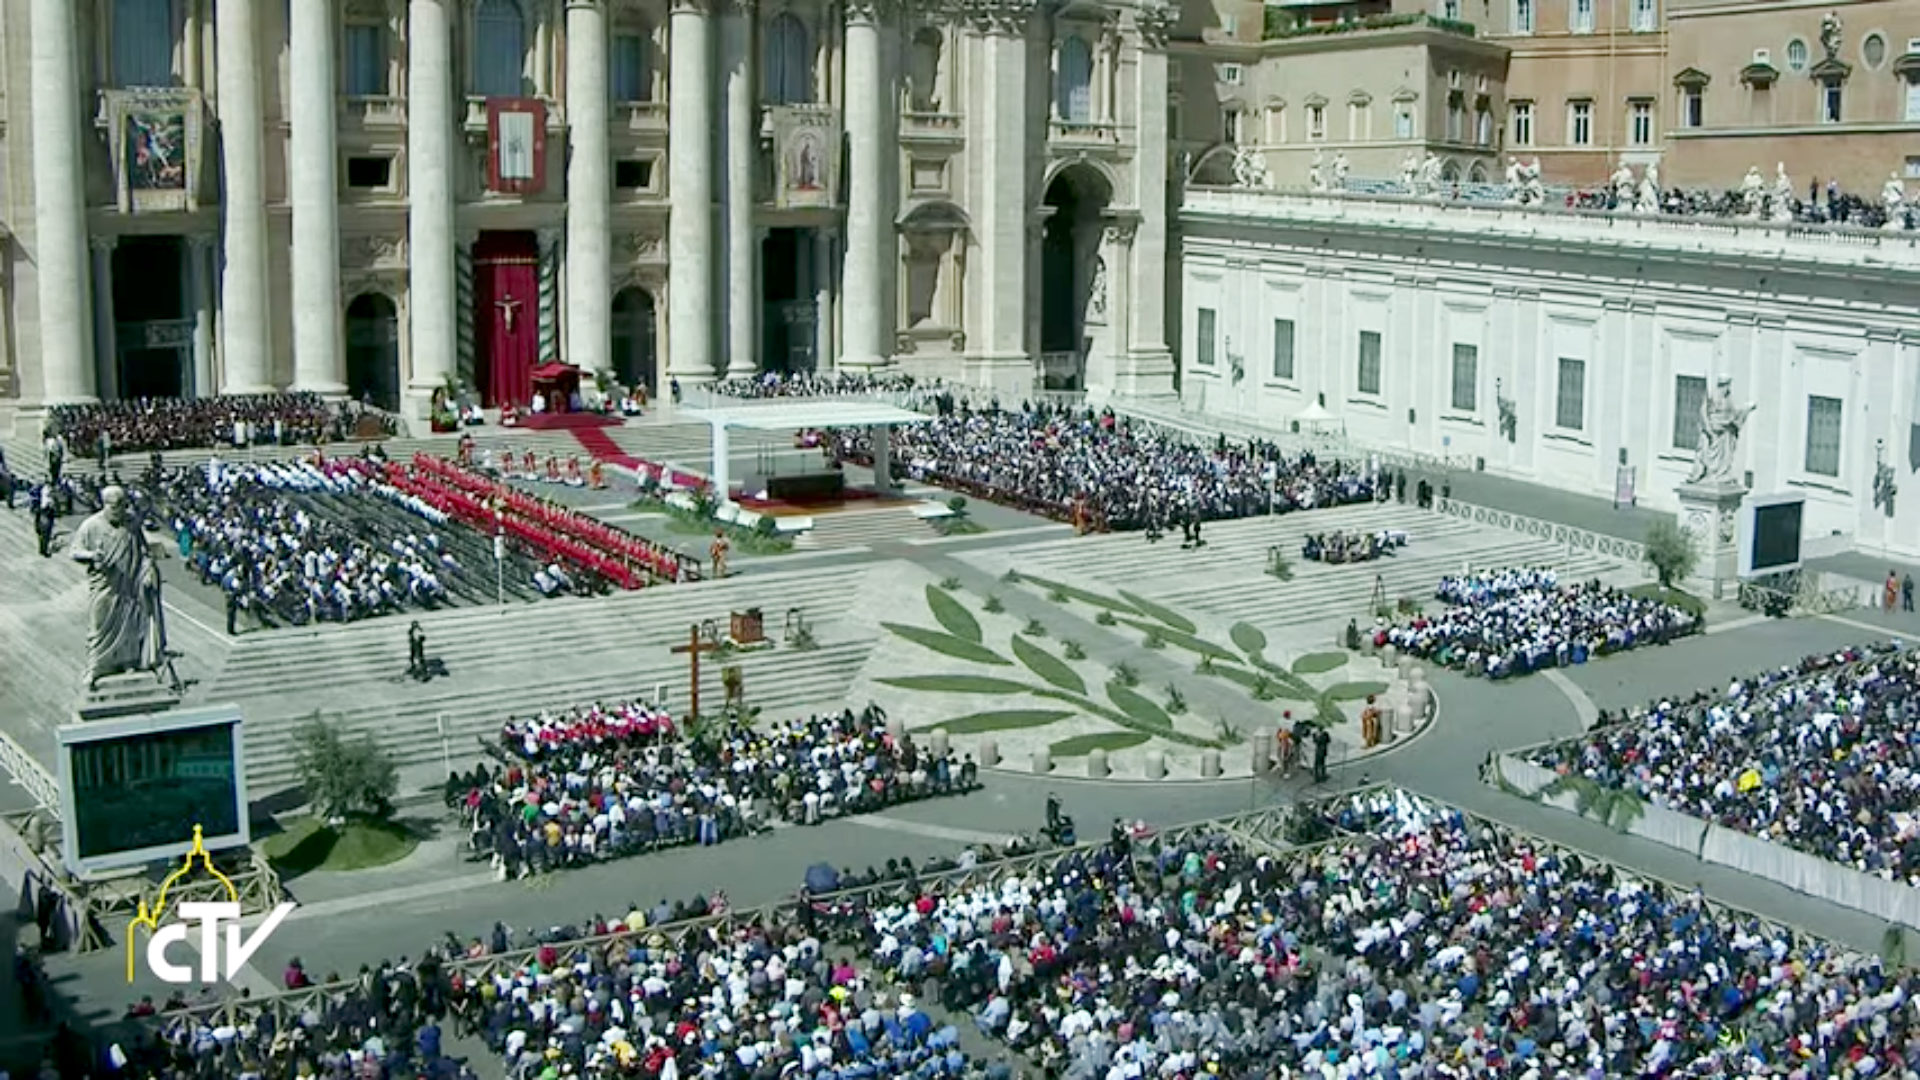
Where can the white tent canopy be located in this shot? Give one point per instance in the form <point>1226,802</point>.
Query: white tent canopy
<point>794,415</point>
<point>1314,417</point>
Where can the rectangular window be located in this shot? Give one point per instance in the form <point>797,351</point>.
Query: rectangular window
<point>1316,122</point>
<point>1369,381</point>
<point>1403,121</point>
<point>142,45</point>
<point>1230,126</point>
<point>1466,377</point>
<point>1230,27</point>
<point>1456,119</point>
<point>1230,74</point>
<point>1483,127</point>
<point>1580,123</point>
<point>627,74</point>
<point>1830,102</point>
<point>1693,108</point>
<point>1523,16</point>
<point>1689,391</point>
<point>1823,435</point>
<point>369,172</point>
<point>1450,9</point>
<point>1203,329</point>
<point>634,175</point>
<point>1520,120</point>
<point>1913,97</point>
<point>1582,21</point>
<point>1645,15</point>
<point>1640,123</point>
<point>1283,349</point>
<point>1570,398</point>
<point>365,61</point>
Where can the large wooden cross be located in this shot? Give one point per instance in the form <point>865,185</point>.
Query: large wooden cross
<point>693,648</point>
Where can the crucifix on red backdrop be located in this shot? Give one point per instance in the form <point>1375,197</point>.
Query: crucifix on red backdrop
<point>508,306</point>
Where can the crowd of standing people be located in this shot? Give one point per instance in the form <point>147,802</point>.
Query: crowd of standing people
<point>147,424</point>
<point>810,384</point>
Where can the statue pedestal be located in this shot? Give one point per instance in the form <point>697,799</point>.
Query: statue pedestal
<point>132,694</point>
<point>1710,513</point>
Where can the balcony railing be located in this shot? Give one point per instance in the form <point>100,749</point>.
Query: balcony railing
<point>640,117</point>
<point>930,125</point>
<point>1084,132</point>
<point>1282,24</point>
<point>377,111</point>
<point>476,118</point>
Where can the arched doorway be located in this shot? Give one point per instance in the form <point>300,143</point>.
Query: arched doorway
<point>373,351</point>
<point>1069,249</point>
<point>633,338</point>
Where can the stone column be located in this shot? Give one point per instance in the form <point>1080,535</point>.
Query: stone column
<point>106,357</point>
<point>1000,356</point>
<point>722,474</point>
<point>589,307</point>
<point>1146,367</point>
<point>881,435</point>
<point>743,243</point>
<point>200,293</point>
<point>431,318</point>
<point>245,328</point>
<point>823,353</point>
<point>319,360</point>
<point>869,219</point>
<point>59,249</point>
<point>690,193</point>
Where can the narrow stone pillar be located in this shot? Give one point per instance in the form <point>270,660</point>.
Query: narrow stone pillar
<point>1042,761</point>
<point>106,353</point>
<point>823,329</point>
<point>1146,367</point>
<point>59,251</point>
<point>431,315</point>
<point>1156,764</point>
<point>200,292</point>
<point>743,244</point>
<point>869,219</point>
<point>1097,767</point>
<point>690,307</point>
<point>722,472</point>
<point>989,753</point>
<point>245,328</point>
<point>938,742</point>
<point>1000,357</point>
<point>882,437</point>
<point>589,306</point>
<point>1210,764</point>
<point>319,360</point>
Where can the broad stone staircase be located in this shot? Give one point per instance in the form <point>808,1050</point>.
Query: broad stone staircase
<point>1228,579</point>
<point>547,655</point>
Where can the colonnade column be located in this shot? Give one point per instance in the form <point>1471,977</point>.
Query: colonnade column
<point>319,361</point>
<point>200,294</point>
<point>1146,368</point>
<point>690,194</point>
<point>432,330</point>
<point>743,241</point>
<point>244,325</point>
<point>106,359</point>
<point>823,337</point>
<point>1000,358</point>
<point>59,209</point>
<point>589,300</point>
<point>869,218</point>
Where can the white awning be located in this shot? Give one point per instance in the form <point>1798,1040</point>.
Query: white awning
<point>1314,413</point>
<point>797,413</point>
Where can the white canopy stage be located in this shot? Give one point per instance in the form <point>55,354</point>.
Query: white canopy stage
<point>1315,417</point>
<point>801,413</point>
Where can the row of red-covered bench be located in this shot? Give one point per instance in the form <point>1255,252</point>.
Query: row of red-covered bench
<point>464,506</point>
<point>571,523</point>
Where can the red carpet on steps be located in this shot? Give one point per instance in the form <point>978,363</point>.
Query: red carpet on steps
<point>600,446</point>
<point>572,421</point>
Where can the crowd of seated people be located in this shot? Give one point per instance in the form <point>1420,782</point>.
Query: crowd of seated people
<point>146,424</point>
<point>303,542</point>
<point>1837,208</point>
<point>1820,757</point>
<point>1342,547</point>
<point>808,384</point>
<point>1527,629</point>
<point>1076,464</point>
<point>562,536</point>
<point>1427,945</point>
<point>592,797</point>
<point>1484,586</point>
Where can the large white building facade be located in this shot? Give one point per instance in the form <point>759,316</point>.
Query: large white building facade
<point>1562,348</point>
<point>372,197</point>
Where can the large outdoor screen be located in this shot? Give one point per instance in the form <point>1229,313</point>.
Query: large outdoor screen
<point>1776,537</point>
<point>136,788</point>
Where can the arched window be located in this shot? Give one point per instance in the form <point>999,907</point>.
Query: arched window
<point>1073,89</point>
<point>143,42</point>
<point>630,65</point>
<point>923,71</point>
<point>789,62</point>
<point>499,49</point>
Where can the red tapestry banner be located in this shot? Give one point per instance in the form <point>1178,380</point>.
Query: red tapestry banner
<point>516,145</point>
<point>506,295</point>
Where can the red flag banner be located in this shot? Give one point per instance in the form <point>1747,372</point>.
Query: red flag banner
<point>516,145</point>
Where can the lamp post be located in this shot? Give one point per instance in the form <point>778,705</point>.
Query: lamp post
<point>499,562</point>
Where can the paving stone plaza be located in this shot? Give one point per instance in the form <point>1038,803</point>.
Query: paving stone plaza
<point>1133,681</point>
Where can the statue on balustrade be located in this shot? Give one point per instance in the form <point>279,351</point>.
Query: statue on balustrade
<point>1648,201</point>
<point>1430,174</point>
<point>1409,169</point>
<point>1782,193</point>
<point>1536,189</point>
<point>1340,169</point>
<point>1623,186</point>
<point>1316,172</point>
<point>1830,34</point>
<point>1753,192</point>
<point>1514,171</point>
<point>1250,169</point>
<point>1893,198</point>
<point>126,628</point>
<point>1720,424</point>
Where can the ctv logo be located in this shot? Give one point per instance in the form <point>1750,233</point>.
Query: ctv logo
<point>210,915</point>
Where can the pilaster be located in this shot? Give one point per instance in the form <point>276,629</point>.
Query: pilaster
<point>106,362</point>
